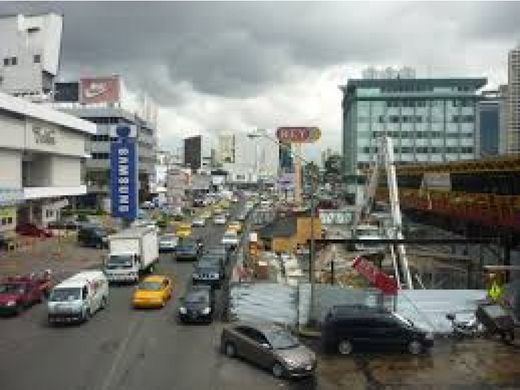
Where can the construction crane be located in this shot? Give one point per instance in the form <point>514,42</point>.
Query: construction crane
<point>384,159</point>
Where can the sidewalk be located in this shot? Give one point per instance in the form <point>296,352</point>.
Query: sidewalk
<point>60,254</point>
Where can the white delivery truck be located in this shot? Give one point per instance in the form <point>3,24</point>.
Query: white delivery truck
<point>131,252</point>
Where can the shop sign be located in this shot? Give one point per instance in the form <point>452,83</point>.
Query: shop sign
<point>44,135</point>
<point>298,134</point>
<point>123,174</point>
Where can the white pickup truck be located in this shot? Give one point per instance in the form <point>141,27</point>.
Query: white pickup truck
<point>132,251</point>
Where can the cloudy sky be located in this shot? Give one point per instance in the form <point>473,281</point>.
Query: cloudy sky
<point>241,66</point>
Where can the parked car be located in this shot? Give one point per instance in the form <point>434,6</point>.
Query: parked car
<point>153,291</point>
<point>168,242</point>
<point>198,305</point>
<point>270,347</point>
<point>77,298</point>
<point>31,230</point>
<point>21,292</point>
<point>347,328</point>
<point>209,270</point>
<point>198,221</point>
<point>187,249</point>
<point>93,236</point>
<point>219,219</point>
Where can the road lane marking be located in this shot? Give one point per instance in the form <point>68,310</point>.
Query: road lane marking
<point>120,353</point>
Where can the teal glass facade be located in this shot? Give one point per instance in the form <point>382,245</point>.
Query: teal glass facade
<point>429,120</point>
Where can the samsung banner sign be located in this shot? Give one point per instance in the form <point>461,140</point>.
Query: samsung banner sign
<point>123,172</point>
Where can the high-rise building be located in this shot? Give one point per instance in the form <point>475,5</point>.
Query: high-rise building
<point>513,101</point>
<point>491,124</point>
<point>429,119</point>
<point>30,54</point>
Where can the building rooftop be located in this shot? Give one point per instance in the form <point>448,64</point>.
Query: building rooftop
<point>477,82</point>
<point>24,107</point>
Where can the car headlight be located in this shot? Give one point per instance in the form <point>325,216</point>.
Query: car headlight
<point>291,363</point>
<point>11,303</point>
<point>206,310</point>
<point>182,310</point>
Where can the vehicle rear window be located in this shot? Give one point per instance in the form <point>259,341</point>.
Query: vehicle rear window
<point>65,294</point>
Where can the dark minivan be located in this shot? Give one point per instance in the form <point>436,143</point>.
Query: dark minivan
<point>93,236</point>
<point>348,328</point>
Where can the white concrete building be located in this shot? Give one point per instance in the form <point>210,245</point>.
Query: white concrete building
<point>42,159</point>
<point>29,54</point>
<point>252,159</point>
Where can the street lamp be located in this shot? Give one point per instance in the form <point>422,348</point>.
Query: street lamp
<point>312,250</point>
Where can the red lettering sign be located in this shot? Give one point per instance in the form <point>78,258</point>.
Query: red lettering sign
<point>298,134</point>
<point>375,276</point>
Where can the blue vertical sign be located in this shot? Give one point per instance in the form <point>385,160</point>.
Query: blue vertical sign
<point>123,174</point>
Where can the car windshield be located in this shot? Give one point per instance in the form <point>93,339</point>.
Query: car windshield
<point>197,298</point>
<point>11,288</point>
<point>167,238</point>
<point>230,235</point>
<point>280,339</point>
<point>119,261</point>
<point>150,286</point>
<point>65,294</point>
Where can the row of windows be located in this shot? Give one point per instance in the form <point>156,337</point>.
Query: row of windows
<point>422,88</point>
<point>12,61</point>
<point>416,119</point>
<point>6,221</point>
<point>421,134</point>
<point>100,156</point>
<point>422,149</point>
<point>406,103</point>
<point>462,118</point>
<point>102,138</point>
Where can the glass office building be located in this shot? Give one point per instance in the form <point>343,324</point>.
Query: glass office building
<point>429,120</point>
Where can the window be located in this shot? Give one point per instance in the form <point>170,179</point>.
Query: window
<point>6,61</point>
<point>14,60</point>
<point>37,58</point>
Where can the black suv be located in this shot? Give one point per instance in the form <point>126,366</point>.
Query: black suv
<point>93,236</point>
<point>209,270</point>
<point>198,305</point>
<point>347,328</point>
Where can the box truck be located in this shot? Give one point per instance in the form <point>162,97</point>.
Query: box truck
<point>131,252</point>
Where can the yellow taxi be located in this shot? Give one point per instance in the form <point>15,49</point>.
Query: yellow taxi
<point>153,291</point>
<point>183,230</point>
<point>206,214</point>
<point>236,226</point>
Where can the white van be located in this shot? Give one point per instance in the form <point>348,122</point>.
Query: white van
<point>78,297</point>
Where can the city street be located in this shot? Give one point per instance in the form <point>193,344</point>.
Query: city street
<point>121,348</point>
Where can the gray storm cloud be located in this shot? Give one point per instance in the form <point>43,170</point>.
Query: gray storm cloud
<point>222,64</point>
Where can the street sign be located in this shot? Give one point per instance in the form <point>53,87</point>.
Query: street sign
<point>123,174</point>
<point>375,276</point>
<point>298,135</point>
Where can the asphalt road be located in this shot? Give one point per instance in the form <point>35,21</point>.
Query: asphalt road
<point>121,348</point>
